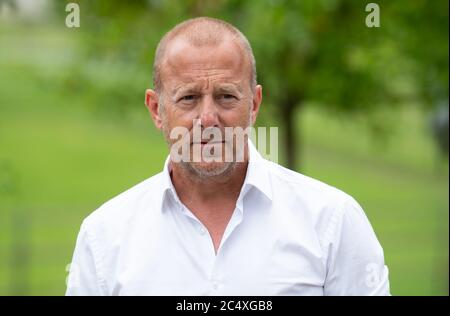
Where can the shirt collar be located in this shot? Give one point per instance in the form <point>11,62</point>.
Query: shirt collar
<point>257,172</point>
<point>257,177</point>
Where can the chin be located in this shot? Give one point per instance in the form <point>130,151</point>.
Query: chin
<point>210,169</point>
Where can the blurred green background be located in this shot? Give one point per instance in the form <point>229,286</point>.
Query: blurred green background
<point>363,109</point>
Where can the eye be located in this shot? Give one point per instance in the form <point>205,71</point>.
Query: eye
<point>187,98</point>
<point>227,97</point>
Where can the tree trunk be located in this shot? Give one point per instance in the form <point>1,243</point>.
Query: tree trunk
<point>291,142</point>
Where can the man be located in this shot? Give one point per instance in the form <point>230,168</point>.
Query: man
<point>222,227</point>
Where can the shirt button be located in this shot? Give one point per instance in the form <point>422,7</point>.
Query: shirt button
<point>201,230</point>
<point>215,286</point>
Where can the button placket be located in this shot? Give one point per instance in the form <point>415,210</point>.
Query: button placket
<point>216,275</point>
<point>201,230</point>
<point>215,283</point>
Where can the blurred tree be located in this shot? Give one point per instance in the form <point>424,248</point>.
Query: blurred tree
<point>10,4</point>
<point>322,51</point>
<point>440,128</point>
<point>308,52</point>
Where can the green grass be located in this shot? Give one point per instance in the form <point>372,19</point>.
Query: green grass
<point>64,160</point>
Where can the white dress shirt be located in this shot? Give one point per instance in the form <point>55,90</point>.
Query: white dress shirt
<point>289,235</point>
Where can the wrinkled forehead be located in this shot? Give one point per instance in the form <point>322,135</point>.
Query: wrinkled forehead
<point>184,62</point>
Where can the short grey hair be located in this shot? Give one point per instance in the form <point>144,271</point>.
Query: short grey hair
<point>199,32</point>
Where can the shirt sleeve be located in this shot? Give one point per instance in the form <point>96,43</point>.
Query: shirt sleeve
<point>355,264</point>
<point>84,277</point>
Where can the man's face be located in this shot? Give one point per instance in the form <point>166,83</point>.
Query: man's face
<point>212,85</point>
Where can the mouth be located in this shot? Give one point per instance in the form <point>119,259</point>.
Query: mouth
<point>202,143</point>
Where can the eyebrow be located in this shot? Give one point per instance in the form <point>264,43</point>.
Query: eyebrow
<point>229,88</point>
<point>223,88</point>
<point>188,88</point>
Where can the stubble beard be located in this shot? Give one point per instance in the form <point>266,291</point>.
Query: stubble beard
<point>202,170</point>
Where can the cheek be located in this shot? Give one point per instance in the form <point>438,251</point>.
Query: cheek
<point>238,117</point>
<point>179,119</point>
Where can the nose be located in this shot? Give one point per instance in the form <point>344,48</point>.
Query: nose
<point>209,115</point>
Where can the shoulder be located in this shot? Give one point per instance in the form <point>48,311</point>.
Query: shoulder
<point>309,208</point>
<point>312,205</point>
<point>305,188</point>
<point>121,209</point>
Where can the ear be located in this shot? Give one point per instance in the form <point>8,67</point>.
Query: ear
<point>152,104</point>
<point>257,99</point>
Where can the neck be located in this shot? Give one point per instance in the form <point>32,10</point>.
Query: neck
<point>212,200</point>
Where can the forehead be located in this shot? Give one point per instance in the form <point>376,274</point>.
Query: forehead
<point>186,63</point>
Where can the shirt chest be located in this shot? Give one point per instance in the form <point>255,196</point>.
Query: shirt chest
<point>179,259</point>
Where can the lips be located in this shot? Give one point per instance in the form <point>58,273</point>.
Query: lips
<point>207,143</point>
